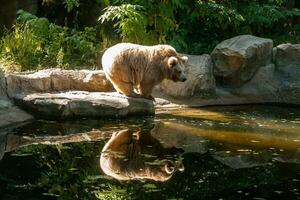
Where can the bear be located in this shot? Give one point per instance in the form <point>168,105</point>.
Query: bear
<point>124,157</point>
<point>135,69</point>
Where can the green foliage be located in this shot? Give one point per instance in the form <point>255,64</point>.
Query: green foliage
<point>145,23</point>
<point>130,22</point>
<point>20,49</point>
<point>70,4</point>
<point>196,26</point>
<point>191,26</point>
<point>36,43</point>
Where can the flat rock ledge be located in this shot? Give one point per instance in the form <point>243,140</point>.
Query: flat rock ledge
<point>82,104</point>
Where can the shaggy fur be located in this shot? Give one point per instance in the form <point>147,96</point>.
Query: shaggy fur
<point>135,69</point>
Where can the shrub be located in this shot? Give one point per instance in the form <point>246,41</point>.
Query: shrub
<point>35,43</point>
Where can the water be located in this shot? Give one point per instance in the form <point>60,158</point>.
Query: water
<point>240,152</point>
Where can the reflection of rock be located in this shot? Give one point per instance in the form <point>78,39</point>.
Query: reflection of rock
<point>243,160</point>
<point>237,59</point>
<point>2,144</point>
<point>128,155</point>
<point>51,80</point>
<point>200,79</point>
<point>233,137</point>
<point>252,158</point>
<point>179,138</point>
<point>10,142</point>
<point>84,104</point>
<point>289,157</point>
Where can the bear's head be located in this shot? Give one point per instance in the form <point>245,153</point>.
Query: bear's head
<point>177,68</point>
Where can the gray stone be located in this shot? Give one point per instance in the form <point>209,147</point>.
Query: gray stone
<point>200,79</point>
<point>289,92</point>
<point>264,86</point>
<point>236,60</point>
<point>79,104</point>
<point>287,55</point>
<point>10,115</point>
<point>287,60</point>
<point>3,94</point>
<point>57,80</point>
<point>287,63</point>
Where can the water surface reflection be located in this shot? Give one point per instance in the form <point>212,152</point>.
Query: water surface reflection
<point>227,153</point>
<point>132,155</point>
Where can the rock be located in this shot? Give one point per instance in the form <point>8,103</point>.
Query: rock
<point>200,79</point>
<point>3,94</point>
<point>13,116</point>
<point>10,115</point>
<point>236,60</point>
<point>287,63</point>
<point>263,87</point>
<point>287,60</point>
<point>57,80</point>
<point>79,104</point>
<point>289,92</point>
<point>28,83</point>
<point>84,80</point>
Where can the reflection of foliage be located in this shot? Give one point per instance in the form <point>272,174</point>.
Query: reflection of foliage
<point>72,172</point>
<point>67,168</point>
<point>112,193</point>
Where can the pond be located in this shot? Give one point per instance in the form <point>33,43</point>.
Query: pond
<point>228,152</point>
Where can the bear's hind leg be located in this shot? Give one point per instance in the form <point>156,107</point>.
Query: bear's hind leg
<point>125,88</point>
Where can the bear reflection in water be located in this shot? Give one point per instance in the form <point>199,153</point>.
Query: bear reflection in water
<point>132,155</point>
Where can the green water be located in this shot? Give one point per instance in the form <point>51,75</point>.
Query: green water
<point>241,152</point>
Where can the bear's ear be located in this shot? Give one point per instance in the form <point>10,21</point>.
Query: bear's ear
<point>172,61</point>
<point>184,59</point>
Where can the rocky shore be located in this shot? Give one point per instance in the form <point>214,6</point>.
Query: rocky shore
<point>241,70</point>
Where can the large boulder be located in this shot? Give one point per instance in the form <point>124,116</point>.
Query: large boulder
<point>51,80</point>
<point>287,60</point>
<point>80,104</point>
<point>200,79</point>
<point>236,60</point>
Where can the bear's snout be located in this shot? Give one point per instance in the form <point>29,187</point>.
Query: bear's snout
<point>183,79</point>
